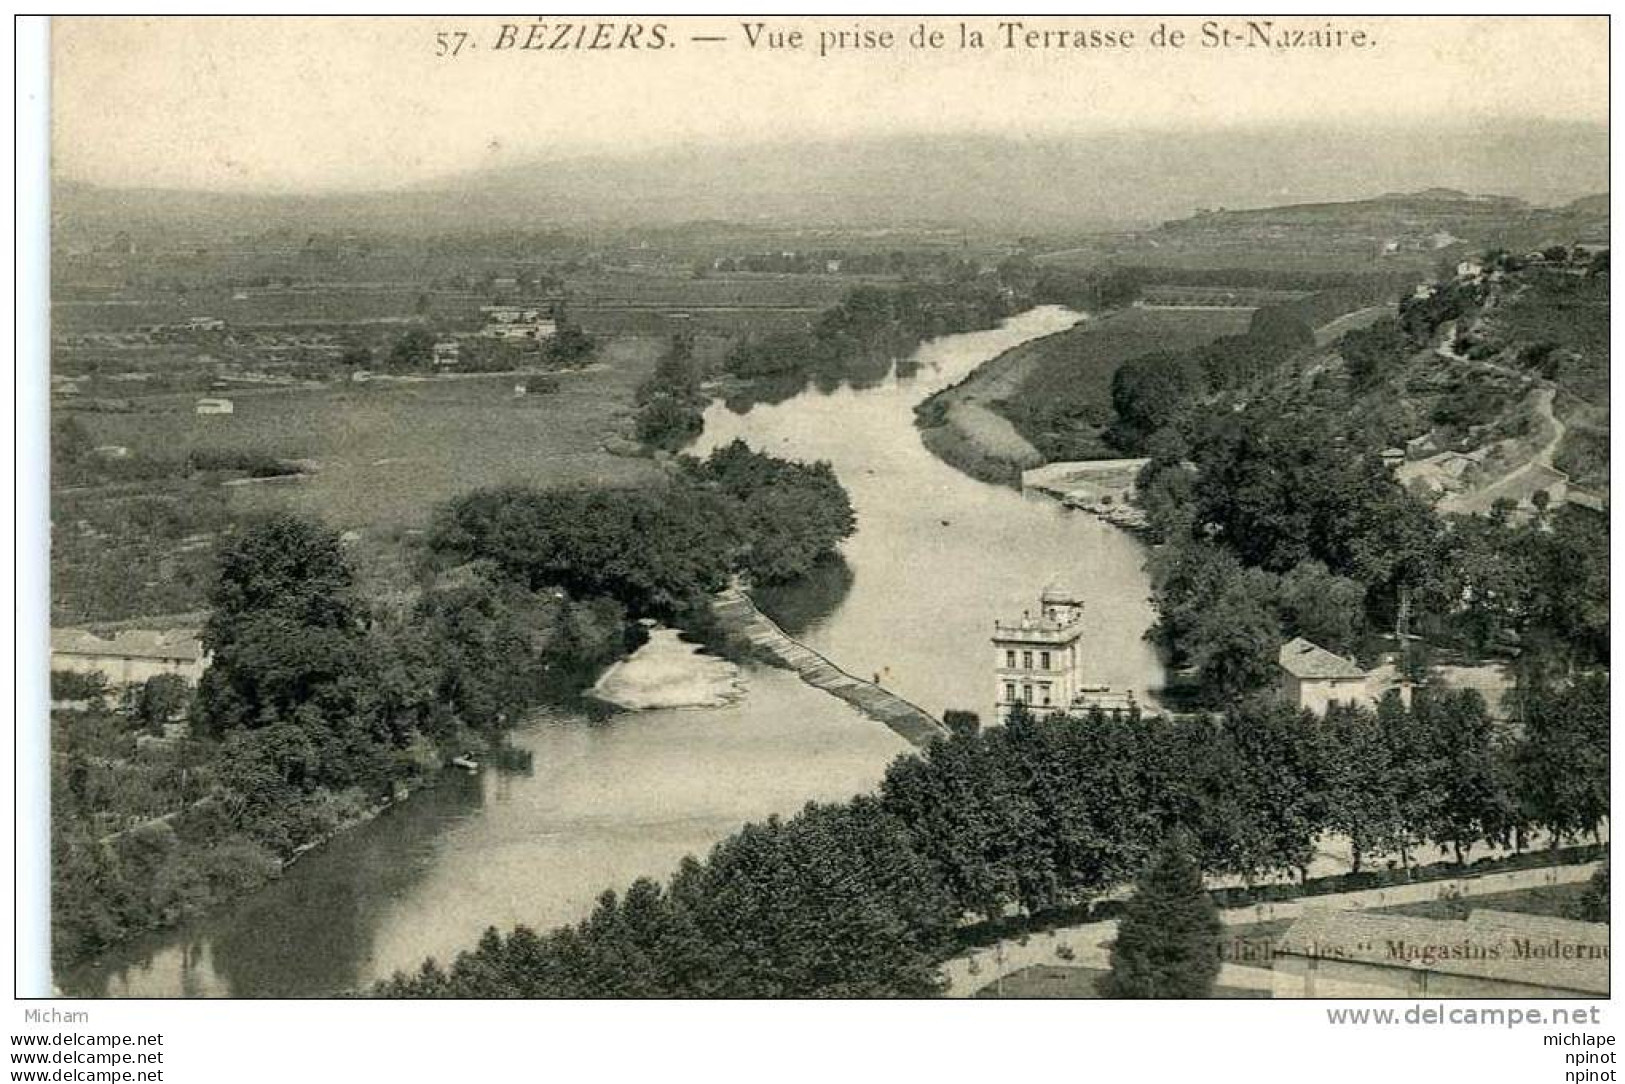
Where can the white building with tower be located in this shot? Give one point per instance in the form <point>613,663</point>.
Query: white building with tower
<point>1036,658</point>
<point>1038,663</point>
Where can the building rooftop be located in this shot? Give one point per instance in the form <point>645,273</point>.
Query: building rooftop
<point>1531,949</point>
<point>1303,659</point>
<point>1038,630</point>
<point>129,643</point>
<point>1058,593</point>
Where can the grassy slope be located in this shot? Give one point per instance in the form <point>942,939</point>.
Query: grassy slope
<point>1005,416</point>
<point>1063,399</point>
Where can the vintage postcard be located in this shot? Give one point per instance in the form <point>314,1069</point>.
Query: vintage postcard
<point>778,507</point>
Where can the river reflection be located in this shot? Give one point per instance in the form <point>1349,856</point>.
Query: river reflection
<point>936,556</point>
<point>810,600</point>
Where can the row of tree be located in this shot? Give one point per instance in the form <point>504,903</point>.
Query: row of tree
<point>865,898</point>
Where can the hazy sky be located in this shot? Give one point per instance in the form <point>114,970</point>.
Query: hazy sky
<point>284,104</point>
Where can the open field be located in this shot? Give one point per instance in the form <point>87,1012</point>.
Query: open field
<point>386,453</point>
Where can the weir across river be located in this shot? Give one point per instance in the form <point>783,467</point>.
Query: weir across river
<point>740,617</point>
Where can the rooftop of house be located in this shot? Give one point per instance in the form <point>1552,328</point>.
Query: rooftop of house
<point>1303,659</point>
<point>129,643</point>
<point>1535,950</point>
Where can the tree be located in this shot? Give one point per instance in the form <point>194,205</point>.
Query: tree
<point>161,698</point>
<point>1236,640</point>
<point>73,685</point>
<point>286,622</point>
<point>1562,756</point>
<point>1283,784</point>
<point>1322,607</point>
<point>1593,903</point>
<point>667,422</point>
<point>484,640</point>
<point>1474,800</point>
<point>1364,800</point>
<point>1415,761</point>
<point>1167,495</point>
<point>965,724</point>
<point>1370,353</point>
<point>1150,392</point>
<point>569,345</point>
<point>1167,942</point>
<point>413,350</point>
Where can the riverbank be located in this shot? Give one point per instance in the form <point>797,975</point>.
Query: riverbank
<point>1049,399</point>
<point>621,795</point>
<point>1102,487</point>
<point>961,427</point>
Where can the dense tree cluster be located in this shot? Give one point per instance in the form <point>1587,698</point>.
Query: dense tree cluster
<point>864,898</point>
<point>1226,620</point>
<point>319,703</point>
<point>1158,390</point>
<point>1280,519</point>
<point>671,405</point>
<point>786,516</point>
<point>660,551</point>
<point>1371,353</point>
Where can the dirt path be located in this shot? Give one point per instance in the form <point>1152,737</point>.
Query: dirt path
<point>1326,334</point>
<point>1538,472</point>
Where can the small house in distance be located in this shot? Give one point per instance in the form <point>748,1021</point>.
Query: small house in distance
<point>515,322</point>
<point>1315,679</point>
<point>131,656</point>
<point>447,352</point>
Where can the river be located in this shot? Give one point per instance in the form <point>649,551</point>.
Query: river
<point>936,557</point>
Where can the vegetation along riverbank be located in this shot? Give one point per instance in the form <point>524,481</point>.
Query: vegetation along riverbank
<point>321,702</point>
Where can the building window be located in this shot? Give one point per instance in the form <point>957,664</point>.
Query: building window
<point>1026,660</point>
<point>1010,659</point>
<point>1043,693</point>
<point>1026,694</point>
<point>1010,692</point>
<point>1043,660</point>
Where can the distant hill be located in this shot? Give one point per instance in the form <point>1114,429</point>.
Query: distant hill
<point>1405,222</point>
<point>1039,184</point>
<point>1590,205</point>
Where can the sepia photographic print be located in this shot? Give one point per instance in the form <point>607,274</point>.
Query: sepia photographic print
<point>796,506</point>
